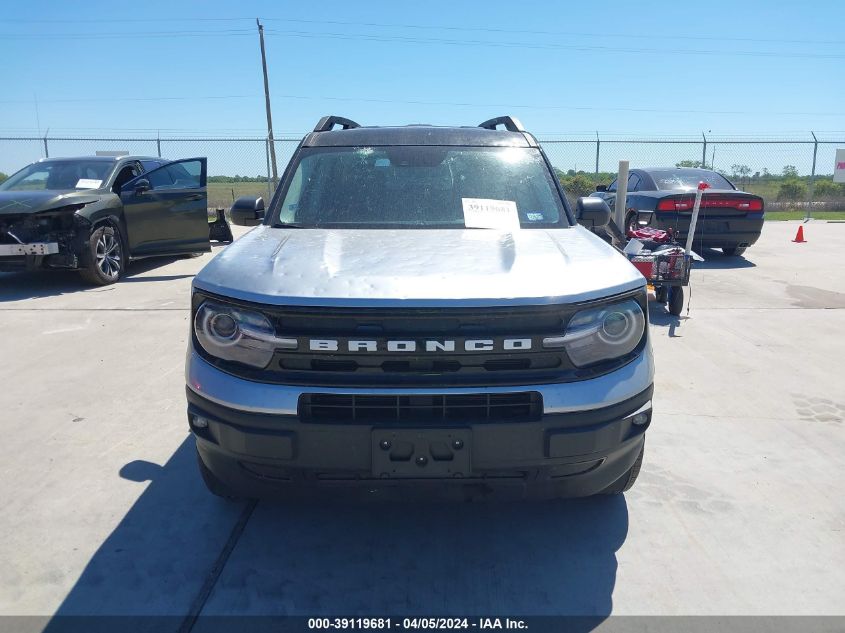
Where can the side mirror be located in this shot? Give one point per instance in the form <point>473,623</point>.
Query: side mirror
<point>592,212</point>
<point>601,187</point>
<point>141,185</point>
<point>247,211</point>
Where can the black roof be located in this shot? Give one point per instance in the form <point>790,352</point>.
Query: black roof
<point>353,135</point>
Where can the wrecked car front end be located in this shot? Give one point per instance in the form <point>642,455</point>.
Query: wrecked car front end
<point>44,234</point>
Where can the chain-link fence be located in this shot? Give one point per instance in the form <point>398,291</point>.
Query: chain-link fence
<point>790,173</point>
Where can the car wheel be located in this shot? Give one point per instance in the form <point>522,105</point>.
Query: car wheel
<point>626,481</point>
<point>733,251</point>
<point>661,294</point>
<point>631,222</point>
<point>676,300</point>
<point>104,261</point>
<point>214,485</point>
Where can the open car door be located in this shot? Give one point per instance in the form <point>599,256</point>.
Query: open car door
<point>166,209</point>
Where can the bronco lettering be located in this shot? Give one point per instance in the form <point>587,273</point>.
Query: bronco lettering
<point>469,345</point>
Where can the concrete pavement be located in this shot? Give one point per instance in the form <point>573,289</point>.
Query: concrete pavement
<point>738,509</point>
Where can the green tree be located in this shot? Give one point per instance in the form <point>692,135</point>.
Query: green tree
<point>792,190</point>
<point>790,171</point>
<point>689,163</point>
<point>3,176</point>
<point>578,185</point>
<point>740,171</point>
<point>828,189</point>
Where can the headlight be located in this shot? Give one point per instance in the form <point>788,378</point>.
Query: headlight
<point>601,333</point>
<point>239,335</point>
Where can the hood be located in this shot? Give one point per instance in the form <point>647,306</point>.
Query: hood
<point>17,202</point>
<point>351,267</point>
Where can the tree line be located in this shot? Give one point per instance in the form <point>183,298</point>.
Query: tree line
<point>236,178</point>
<point>787,186</point>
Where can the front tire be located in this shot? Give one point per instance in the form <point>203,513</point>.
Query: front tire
<point>676,300</point>
<point>733,251</point>
<point>215,486</point>
<point>626,481</point>
<point>631,223</point>
<point>104,261</point>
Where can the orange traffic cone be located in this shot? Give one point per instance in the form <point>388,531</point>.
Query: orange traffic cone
<point>799,236</point>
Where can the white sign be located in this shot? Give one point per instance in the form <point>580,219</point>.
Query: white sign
<point>88,183</point>
<point>481,213</point>
<point>839,166</point>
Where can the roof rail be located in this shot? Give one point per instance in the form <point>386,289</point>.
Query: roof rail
<point>511,123</point>
<point>328,122</point>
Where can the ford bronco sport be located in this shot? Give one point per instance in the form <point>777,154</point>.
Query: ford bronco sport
<point>418,305</point>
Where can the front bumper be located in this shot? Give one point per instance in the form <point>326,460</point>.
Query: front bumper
<point>35,248</point>
<point>252,438</point>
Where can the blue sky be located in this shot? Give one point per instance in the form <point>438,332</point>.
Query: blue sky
<point>649,68</point>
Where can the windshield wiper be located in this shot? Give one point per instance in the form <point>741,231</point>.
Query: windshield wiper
<point>292,225</point>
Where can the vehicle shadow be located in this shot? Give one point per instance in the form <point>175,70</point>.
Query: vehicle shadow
<point>50,283</point>
<point>716,260</point>
<point>323,558</point>
<point>136,272</point>
<point>17,286</point>
<point>659,316</point>
<point>447,559</point>
<point>157,557</point>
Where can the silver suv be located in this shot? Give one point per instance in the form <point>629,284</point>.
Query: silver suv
<point>419,307</point>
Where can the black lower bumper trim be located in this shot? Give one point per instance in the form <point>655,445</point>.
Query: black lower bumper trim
<point>579,452</point>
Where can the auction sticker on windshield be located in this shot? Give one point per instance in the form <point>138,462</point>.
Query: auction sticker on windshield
<point>482,213</point>
<point>88,183</point>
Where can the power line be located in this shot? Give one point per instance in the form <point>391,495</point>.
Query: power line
<point>117,20</point>
<point>423,40</point>
<point>424,27</point>
<point>545,107</point>
<point>105,99</point>
<point>131,35</point>
<point>556,33</point>
<point>533,45</point>
<point>469,104</point>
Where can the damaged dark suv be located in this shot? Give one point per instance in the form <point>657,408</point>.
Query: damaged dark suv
<point>94,214</point>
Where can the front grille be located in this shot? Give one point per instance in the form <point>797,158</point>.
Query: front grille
<point>439,346</point>
<point>452,366</point>
<point>416,364</point>
<point>420,409</point>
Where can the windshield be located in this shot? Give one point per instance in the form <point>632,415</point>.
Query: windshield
<point>421,187</point>
<point>60,175</point>
<point>689,179</point>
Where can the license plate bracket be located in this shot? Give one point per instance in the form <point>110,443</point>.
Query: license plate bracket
<point>421,453</point>
<point>35,248</point>
<point>713,226</point>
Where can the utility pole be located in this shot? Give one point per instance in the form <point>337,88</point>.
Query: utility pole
<point>267,101</point>
<point>812,188</point>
